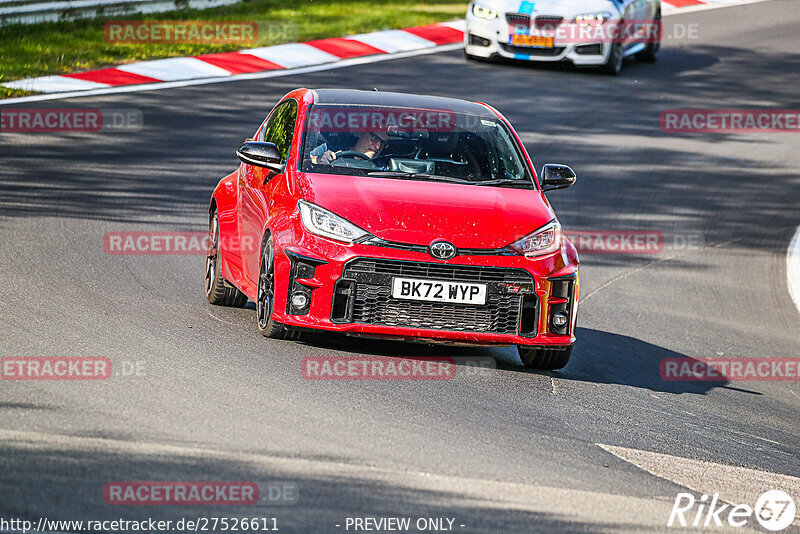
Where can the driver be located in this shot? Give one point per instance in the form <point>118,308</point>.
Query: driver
<point>369,143</point>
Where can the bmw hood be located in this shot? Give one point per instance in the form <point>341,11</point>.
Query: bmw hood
<point>419,212</point>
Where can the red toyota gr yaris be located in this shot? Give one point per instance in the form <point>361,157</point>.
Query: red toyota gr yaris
<point>387,214</point>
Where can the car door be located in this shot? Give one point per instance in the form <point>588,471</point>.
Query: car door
<point>259,186</point>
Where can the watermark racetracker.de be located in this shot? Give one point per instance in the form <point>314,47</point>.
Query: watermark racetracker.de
<point>578,32</point>
<point>69,368</point>
<point>156,242</point>
<point>50,120</point>
<point>180,32</point>
<point>633,241</point>
<point>200,493</point>
<point>730,120</point>
<point>610,31</point>
<point>683,369</point>
<point>377,368</point>
<point>242,32</point>
<point>331,118</point>
<point>172,243</point>
<point>392,368</point>
<point>586,241</point>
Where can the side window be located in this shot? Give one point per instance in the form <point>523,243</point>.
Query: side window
<point>279,128</point>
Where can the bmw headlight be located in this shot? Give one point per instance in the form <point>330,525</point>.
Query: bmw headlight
<point>483,12</point>
<point>543,241</point>
<point>592,19</point>
<point>322,222</point>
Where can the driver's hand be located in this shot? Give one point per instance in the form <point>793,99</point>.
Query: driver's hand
<point>326,158</point>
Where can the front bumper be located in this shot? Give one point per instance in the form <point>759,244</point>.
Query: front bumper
<point>349,287</point>
<point>489,39</point>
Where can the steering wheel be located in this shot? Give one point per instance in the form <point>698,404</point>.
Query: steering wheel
<point>352,154</point>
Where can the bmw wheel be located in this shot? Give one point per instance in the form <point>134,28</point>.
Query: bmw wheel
<point>650,54</point>
<point>613,65</point>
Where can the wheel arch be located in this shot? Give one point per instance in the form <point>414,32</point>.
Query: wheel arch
<point>267,233</point>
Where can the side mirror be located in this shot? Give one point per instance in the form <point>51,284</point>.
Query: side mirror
<point>557,177</point>
<point>261,154</point>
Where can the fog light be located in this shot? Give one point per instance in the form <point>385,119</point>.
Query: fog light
<point>299,300</point>
<point>560,319</point>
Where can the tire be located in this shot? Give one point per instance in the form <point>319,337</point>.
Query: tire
<point>265,299</point>
<point>650,54</point>
<point>218,290</point>
<point>544,358</point>
<point>613,65</point>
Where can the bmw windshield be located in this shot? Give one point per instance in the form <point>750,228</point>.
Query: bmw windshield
<point>412,144</point>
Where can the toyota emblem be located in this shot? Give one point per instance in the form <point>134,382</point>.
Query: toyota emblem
<point>442,250</point>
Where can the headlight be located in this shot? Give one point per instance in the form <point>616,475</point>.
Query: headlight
<point>543,241</point>
<point>592,19</point>
<point>483,12</point>
<point>322,222</point>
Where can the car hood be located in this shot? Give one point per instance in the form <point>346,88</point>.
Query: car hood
<point>563,8</point>
<point>419,212</point>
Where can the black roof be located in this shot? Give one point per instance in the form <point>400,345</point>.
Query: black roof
<point>380,98</point>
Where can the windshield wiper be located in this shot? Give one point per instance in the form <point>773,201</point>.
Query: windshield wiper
<point>417,176</point>
<point>395,174</point>
<point>503,181</point>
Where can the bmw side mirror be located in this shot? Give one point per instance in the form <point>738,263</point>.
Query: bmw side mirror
<point>557,177</point>
<point>261,154</point>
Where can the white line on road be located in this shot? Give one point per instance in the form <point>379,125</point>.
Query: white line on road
<point>618,510</point>
<point>734,484</point>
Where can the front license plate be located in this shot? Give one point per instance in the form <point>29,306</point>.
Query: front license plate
<point>438,291</point>
<point>532,40</point>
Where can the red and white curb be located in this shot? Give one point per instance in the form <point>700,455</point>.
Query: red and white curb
<point>253,60</point>
<point>275,60</point>
<point>669,6</point>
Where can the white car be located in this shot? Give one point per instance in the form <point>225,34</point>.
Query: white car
<point>585,32</point>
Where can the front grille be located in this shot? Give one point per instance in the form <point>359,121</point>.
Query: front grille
<point>518,19</point>
<point>547,22</point>
<point>531,51</point>
<point>373,303</point>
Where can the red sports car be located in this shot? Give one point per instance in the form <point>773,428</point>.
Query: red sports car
<point>386,214</point>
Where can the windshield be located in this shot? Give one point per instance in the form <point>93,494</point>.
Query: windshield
<point>412,144</point>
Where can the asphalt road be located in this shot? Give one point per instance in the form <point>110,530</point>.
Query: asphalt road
<point>603,445</point>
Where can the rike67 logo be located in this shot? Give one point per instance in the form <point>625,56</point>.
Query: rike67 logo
<point>774,510</point>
